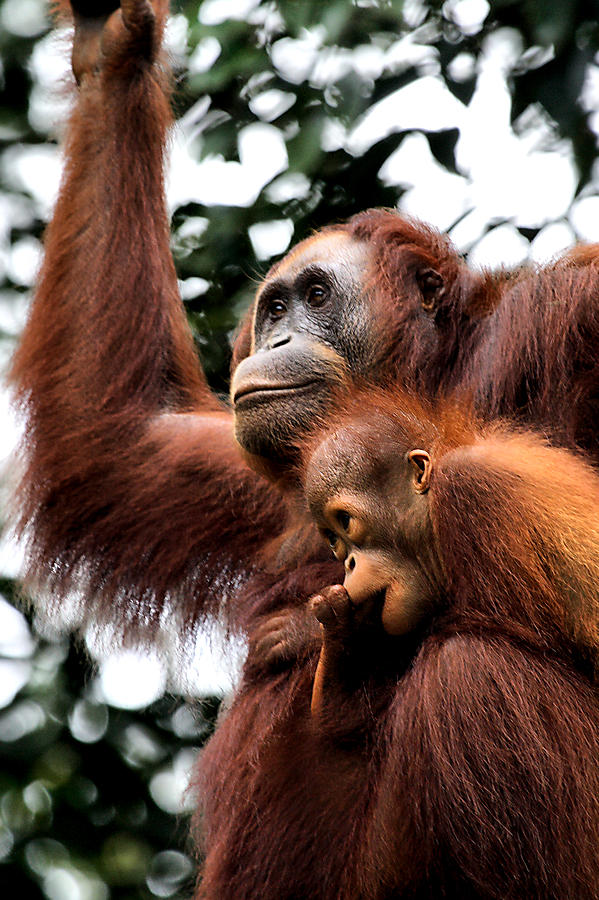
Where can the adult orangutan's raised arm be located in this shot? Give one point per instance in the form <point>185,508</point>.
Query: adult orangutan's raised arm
<point>134,489</point>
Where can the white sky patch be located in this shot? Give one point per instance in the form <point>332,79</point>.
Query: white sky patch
<point>25,18</point>
<point>14,675</point>
<point>408,53</point>
<point>219,182</point>
<point>468,230</point>
<point>177,29</point>
<point>441,208</point>
<point>15,637</point>
<point>520,188</point>
<point>24,261</point>
<point>369,60</point>
<point>333,136</point>
<point>49,63</point>
<point>37,170</point>
<point>306,59</point>
<point>131,679</point>
<point>11,555</point>
<point>11,552</point>
<point>487,127</point>
<point>289,186</point>
<point>50,68</point>
<point>193,227</point>
<point>551,241</point>
<point>16,648</point>
<point>270,238</point>
<point>503,245</point>
<point>332,64</point>
<point>205,664</point>
<point>213,12</point>
<point>68,883</point>
<point>204,56</point>
<point>271,104</point>
<point>462,67</point>
<point>509,175</point>
<point>16,211</point>
<point>295,58</point>
<point>505,174</point>
<point>584,217</point>
<point>193,287</point>
<point>434,194</point>
<point>426,104</point>
<point>10,431</point>
<point>169,788</point>
<point>414,12</point>
<point>468,15</point>
<point>589,96</point>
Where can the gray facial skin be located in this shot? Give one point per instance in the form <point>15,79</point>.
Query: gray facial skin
<point>311,331</point>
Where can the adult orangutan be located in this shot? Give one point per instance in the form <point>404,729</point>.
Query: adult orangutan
<point>135,491</point>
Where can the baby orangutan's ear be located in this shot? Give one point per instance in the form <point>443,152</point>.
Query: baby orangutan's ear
<point>423,467</point>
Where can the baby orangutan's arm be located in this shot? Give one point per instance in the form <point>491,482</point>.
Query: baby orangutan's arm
<point>356,660</point>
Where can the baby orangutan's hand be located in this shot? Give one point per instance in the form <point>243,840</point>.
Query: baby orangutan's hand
<point>339,616</point>
<point>346,631</point>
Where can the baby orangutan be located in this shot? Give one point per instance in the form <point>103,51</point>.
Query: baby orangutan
<point>439,521</point>
<point>384,537</point>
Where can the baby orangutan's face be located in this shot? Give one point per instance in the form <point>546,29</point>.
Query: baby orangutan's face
<point>374,513</point>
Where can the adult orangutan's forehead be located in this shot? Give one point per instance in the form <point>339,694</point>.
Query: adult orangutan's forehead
<point>332,249</point>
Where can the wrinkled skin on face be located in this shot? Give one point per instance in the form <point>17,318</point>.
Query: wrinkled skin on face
<point>311,332</point>
<point>370,501</point>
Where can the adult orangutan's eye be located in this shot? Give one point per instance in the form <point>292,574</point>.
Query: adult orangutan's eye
<point>317,295</point>
<point>276,309</point>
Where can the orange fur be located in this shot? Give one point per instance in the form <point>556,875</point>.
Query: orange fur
<point>491,727</point>
<point>136,497</point>
<point>516,519</point>
<point>106,376</point>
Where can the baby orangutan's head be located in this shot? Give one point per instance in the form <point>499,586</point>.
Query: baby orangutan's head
<point>367,483</point>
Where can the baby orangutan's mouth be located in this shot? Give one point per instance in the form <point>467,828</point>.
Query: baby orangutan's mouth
<point>368,609</point>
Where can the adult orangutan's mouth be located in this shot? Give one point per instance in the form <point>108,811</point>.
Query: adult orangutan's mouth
<point>258,392</point>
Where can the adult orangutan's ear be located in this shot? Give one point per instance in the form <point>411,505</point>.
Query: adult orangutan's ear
<point>422,469</point>
<point>431,286</point>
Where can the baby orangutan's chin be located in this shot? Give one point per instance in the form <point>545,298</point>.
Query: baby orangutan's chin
<point>404,607</point>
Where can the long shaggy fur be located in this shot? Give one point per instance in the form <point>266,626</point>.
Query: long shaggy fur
<point>135,496</point>
<point>521,343</point>
<point>126,499</point>
<point>470,765</point>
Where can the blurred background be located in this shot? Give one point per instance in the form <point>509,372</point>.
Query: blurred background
<point>480,117</point>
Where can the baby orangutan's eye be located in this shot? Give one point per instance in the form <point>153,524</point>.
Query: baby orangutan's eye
<point>331,537</point>
<point>344,519</point>
<point>335,543</point>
